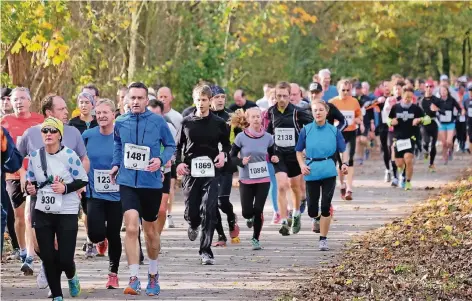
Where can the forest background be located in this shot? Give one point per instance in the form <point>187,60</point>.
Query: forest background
<point>60,46</point>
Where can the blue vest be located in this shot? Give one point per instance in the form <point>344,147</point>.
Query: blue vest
<point>321,143</point>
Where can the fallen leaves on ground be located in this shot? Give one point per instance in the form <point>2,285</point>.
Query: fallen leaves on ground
<point>426,256</point>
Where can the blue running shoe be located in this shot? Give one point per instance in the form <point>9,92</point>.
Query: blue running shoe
<point>153,288</point>
<point>74,286</point>
<point>134,287</point>
<point>27,266</point>
<point>58,299</point>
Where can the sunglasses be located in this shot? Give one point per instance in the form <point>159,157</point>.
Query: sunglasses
<point>49,130</point>
<point>346,90</point>
<point>428,86</point>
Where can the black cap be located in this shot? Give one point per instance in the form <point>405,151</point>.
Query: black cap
<point>314,86</point>
<point>6,92</point>
<point>358,86</point>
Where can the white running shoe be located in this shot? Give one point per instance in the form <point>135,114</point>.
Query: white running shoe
<point>388,176</point>
<point>206,259</point>
<point>324,245</point>
<point>41,279</point>
<point>170,222</point>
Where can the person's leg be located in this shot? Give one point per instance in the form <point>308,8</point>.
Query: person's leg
<point>11,223</point>
<point>297,192</point>
<point>18,201</point>
<point>114,218</point>
<point>191,188</point>
<point>247,194</point>
<point>208,212</point>
<point>150,200</point>
<point>313,190</point>
<point>96,213</point>
<point>224,190</point>
<point>449,140</point>
<point>273,187</point>
<point>282,190</point>
<point>350,175</point>
<point>4,223</point>
<point>425,132</point>
<point>66,234</point>
<point>408,159</point>
<point>442,135</point>
<point>433,133</point>
<point>162,214</point>
<point>327,186</point>
<point>262,190</point>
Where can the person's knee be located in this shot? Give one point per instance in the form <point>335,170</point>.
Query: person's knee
<point>96,235</point>
<point>325,210</point>
<point>282,186</point>
<point>247,213</point>
<point>132,230</point>
<point>20,214</point>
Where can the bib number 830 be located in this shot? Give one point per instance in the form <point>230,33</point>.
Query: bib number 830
<point>48,199</point>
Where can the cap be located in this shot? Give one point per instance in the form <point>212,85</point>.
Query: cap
<point>314,86</point>
<point>215,90</point>
<point>444,77</point>
<point>462,79</point>
<point>6,92</point>
<point>358,86</point>
<point>152,97</point>
<point>469,86</point>
<point>53,123</point>
<point>430,83</point>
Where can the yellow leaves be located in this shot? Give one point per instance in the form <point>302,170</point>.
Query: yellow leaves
<point>396,244</point>
<point>24,38</point>
<point>125,24</point>
<point>46,25</point>
<point>34,47</point>
<point>348,281</point>
<point>16,48</point>
<point>39,12</point>
<point>448,229</point>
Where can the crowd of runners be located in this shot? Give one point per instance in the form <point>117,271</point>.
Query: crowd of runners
<point>115,164</point>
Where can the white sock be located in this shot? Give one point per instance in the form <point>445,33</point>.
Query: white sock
<point>296,212</point>
<point>152,267</point>
<point>284,221</point>
<point>134,270</point>
<point>22,252</point>
<point>29,255</point>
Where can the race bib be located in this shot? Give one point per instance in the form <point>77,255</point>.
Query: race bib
<point>470,111</point>
<point>136,156</point>
<point>384,116</point>
<point>284,137</point>
<point>349,115</point>
<point>462,118</point>
<point>102,181</point>
<point>202,167</point>
<point>258,170</point>
<point>363,110</point>
<point>403,144</point>
<point>48,201</point>
<point>447,117</point>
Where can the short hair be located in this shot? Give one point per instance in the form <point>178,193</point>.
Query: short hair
<point>108,102</point>
<point>138,85</point>
<point>342,83</point>
<point>47,103</point>
<point>268,85</point>
<point>92,87</point>
<point>324,71</point>
<point>154,103</point>
<point>242,92</point>
<point>21,89</point>
<point>321,102</point>
<point>202,90</point>
<point>123,88</point>
<point>283,85</point>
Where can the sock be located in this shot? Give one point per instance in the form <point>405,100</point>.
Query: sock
<point>88,240</point>
<point>134,270</point>
<point>22,252</point>
<point>322,237</point>
<point>28,254</point>
<point>284,221</point>
<point>407,180</point>
<point>152,267</point>
<point>296,212</point>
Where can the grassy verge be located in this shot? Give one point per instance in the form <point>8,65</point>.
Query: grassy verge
<point>426,256</point>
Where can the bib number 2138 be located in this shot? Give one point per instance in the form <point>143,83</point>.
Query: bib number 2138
<point>136,156</point>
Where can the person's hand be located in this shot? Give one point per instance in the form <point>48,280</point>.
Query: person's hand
<point>463,112</point>
<point>381,99</point>
<point>394,122</point>
<point>182,169</point>
<point>416,121</point>
<point>372,127</point>
<point>4,141</point>
<point>58,187</point>
<point>30,188</point>
<point>434,108</point>
<point>154,165</point>
<point>305,170</point>
<point>246,160</point>
<point>220,160</point>
<point>113,173</point>
<point>22,172</point>
<point>358,120</point>
<point>344,169</point>
<point>362,127</point>
<point>162,177</point>
<point>274,159</point>
<point>168,164</point>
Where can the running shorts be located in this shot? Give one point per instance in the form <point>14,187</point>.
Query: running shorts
<point>144,200</point>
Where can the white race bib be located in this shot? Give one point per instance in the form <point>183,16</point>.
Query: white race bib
<point>136,156</point>
<point>403,144</point>
<point>470,111</point>
<point>48,201</point>
<point>202,167</point>
<point>462,118</point>
<point>349,115</point>
<point>102,181</point>
<point>384,116</point>
<point>447,117</point>
<point>258,170</point>
<point>284,137</point>
<point>363,110</point>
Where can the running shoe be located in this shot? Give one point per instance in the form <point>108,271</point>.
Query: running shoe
<point>388,176</point>
<point>426,157</point>
<point>276,219</point>
<point>94,250</point>
<point>343,192</point>
<point>255,244</point>
<point>74,286</point>
<point>394,182</point>
<point>233,227</point>
<point>348,195</point>
<point>14,255</point>
<point>170,222</point>
<point>315,227</point>
<point>432,168</point>
<point>402,182</point>
<point>289,218</point>
<point>23,257</point>
<point>206,259</point>
<point>58,299</point>
<point>192,233</point>
<point>284,229</point>
<point>367,154</point>
<point>221,241</point>
<point>249,222</point>
<point>360,161</point>
<point>102,248</point>
<point>89,253</point>
<point>134,287</point>
<point>297,223</point>
<point>41,279</point>
<point>324,245</point>
<point>112,282</point>
<point>27,266</point>
<point>408,186</point>
<point>303,206</point>
<point>153,288</point>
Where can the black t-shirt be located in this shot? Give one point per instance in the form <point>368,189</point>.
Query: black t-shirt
<point>426,102</point>
<point>405,129</point>
<point>247,105</point>
<point>82,125</point>
<point>446,110</point>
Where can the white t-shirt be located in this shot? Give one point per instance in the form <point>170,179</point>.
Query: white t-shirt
<point>67,166</point>
<point>176,118</point>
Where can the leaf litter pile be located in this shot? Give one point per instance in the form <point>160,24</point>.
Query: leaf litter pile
<point>426,256</point>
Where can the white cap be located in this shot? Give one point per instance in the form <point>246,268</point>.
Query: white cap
<point>444,77</point>
<point>462,79</point>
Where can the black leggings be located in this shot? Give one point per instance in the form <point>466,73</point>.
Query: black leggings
<point>105,218</point>
<point>430,135</point>
<point>253,198</point>
<point>384,144</point>
<point>390,149</point>
<point>461,134</point>
<point>63,226</point>
<point>225,182</point>
<point>11,226</point>
<point>324,188</point>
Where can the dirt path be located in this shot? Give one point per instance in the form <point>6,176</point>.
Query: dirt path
<point>240,273</point>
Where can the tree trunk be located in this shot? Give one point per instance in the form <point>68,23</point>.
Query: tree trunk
<point>446,60</point>
<point>19,65</point>
<point>133,45</point>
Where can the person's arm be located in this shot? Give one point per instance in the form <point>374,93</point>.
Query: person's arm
<point>235,149</point>
<point>334,111</point>
<point>341,148</point>
<point>117,147</point>
<point>224,139</point>
<point>304,118</point>
<point>181,140</point>
<point>80,180</point>
<point>270,125</point>
<point>167,140</point>
<point>11,157</point>
<point>300,147</point>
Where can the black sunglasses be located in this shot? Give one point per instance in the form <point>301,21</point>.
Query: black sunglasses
<point>346,90</point>
<point>49,130</point>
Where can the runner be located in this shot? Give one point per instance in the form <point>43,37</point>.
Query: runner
<point>198,142</point>
<point>164,94</point>
<point>367,126</point>
<point>296,97</point>
<point>6,107</point>
<point>404,117</point>
<point>85,121</point>
<point>447,122</point>
<point>285,122</point>
<point>264,102</point>
<point>137,156</point>
<point>468,108</point>
<point>240,101</point>
<point>51,106</point>
<point>430,104</point>
<point>329,91</point>
<point>92,90</point>
<point>54,175</point>
<point>461,125</point>
<point>351,110</point>
<point>16,124</point>
<point>120,101</point>
<point>225,180</point>
<point>253,146</point>
<point>321,142</point>
<point>103,207</point>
